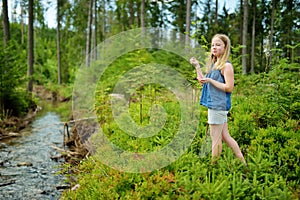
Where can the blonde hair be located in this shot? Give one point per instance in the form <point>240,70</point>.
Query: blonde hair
<point>219,64</point>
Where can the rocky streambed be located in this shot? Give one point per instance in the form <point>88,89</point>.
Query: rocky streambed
<point>27,167</point>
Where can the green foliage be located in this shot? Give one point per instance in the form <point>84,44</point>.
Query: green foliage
<point>264,120</point>
<point>187,178</point>
<point>13,97</point>
<point>140,99</point>
<point>275,94</point>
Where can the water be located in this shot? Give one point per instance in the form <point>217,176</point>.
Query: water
<point>38,179</point>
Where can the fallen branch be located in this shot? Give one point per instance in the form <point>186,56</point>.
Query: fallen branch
<point>82,119</point>
<point>7,183</point>
<point>65,151</point>
<point>57,157</point>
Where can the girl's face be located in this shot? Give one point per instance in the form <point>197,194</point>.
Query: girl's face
<point>217,47</point>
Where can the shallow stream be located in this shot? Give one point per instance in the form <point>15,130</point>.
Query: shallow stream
<point>26,168</point>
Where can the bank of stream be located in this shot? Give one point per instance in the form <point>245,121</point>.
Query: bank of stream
<point>27,167</point>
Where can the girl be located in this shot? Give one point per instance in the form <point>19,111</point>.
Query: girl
<point>216,94</point>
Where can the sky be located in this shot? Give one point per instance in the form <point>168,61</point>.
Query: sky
<point>50,14</point>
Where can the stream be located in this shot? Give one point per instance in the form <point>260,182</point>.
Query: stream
<point>26,168</point>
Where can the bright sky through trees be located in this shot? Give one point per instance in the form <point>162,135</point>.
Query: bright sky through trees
<point>50,14</point>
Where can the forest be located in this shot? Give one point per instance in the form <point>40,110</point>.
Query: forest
<point>99,41</point>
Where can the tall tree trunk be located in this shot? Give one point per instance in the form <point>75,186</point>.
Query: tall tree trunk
<point>188,22</point>
<point>58,43</point>
<point>241,21</point>
<point>95,30</point>
<point>138,14</point>
<point>261,56</point>
<point>6,38</point>
<point>272,30</point>
<point>89,34</point>
<point>103,20</point>
<point>253,37</point>
<point>131,14</point>
<point>216,13</point>
<point>22,25</point>
<point>143,15</point>
<point>5,21</point>
<point>245,31</point>
<point>30,54</point>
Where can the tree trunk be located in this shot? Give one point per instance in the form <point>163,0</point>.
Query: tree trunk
<point>103,20</point>
<point>95,30</point>
<point>253,37</point>
<point>6,38</point>
<point>272,31</point>
<point>30,54</point>
<point>131,14</point>
<point>58,43</point>
<point>261,56</point>
<point>216,13</point>
<point>188,22</point>
<point>22,25</point>
<point>5,21</point>
<point>89,34</point>
<point>143,16</point>
<point>245,31</point>
<point>241,22</point>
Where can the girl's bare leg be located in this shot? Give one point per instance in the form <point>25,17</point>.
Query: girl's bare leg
<point>232,143</point>
<point>216,137</point>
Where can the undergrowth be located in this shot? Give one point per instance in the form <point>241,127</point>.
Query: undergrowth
<point>264,120</point>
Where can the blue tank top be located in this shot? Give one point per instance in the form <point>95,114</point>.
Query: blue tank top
<point>212,97</point>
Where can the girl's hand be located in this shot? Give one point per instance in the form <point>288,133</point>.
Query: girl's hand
<point>203,80</point>
<point>194,62</point>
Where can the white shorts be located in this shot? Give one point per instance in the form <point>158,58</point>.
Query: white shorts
<point>217,116</point>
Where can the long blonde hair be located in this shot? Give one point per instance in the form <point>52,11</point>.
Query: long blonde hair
<point>219,63</point>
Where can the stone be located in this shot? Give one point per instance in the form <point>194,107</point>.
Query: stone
<point>24,164</point>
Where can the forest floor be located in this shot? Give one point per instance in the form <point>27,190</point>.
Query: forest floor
<point>12,126</point>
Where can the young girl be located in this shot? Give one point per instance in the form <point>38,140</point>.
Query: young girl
<point>216,94</point>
